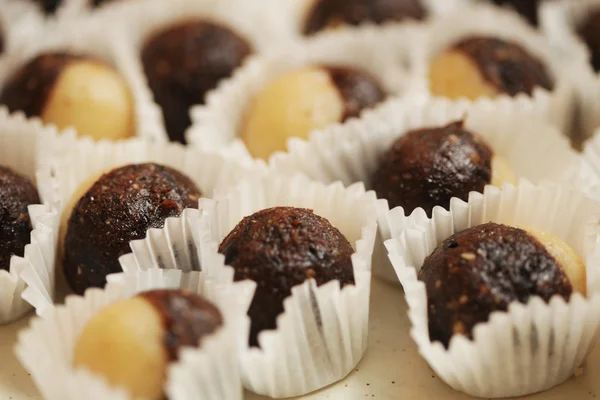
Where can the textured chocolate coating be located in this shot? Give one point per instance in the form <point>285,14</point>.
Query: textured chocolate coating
<point>1,40</point>
<point>590,33</point>
<point>483,269</point>
<point>354,12</point>
<point>527,8</point>
<point>280,248</point>
<point>120,207</point>
<point>49,6</point>
<point>427,167</point>
<point>29,88</point>
<point>187,318</point>
<point>505,65</point>
<point>98,3</point>
<point>185,62</point>
<point>16,193</point>
<point>359,89</point>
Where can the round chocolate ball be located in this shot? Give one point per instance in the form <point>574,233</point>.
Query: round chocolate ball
<point>332,13</point>
<point>485,268</point>
<point>130,343</point>
<point>280,248</point>
<point>16,193</point>
<point>49,6</point>
<point>427,167</point>
<point>589,32</point>
<point>306,99</point>
<point>487,67</point>
<point>527,8</point>
<point>72,90</point>
<point>184,62</point>
<point>117,208</point>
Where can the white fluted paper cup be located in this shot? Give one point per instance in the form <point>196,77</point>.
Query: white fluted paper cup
<point>554,106</point>
<point>210,372</point>
<point>288,363</point>
<point>218,123</point>
<point>140,20</point>
<point>94,37</point>
<point>20,21</point>
<point>19,280</point>
<point>533,346</point>
<point>560,21</point>
<point>300,356</point>
<point>351,152</point>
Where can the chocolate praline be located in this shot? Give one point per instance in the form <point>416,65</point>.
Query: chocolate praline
<point>527,8</point>
<point>589,31</point>
<point>130,343</point>
<point>118,208</point>
<point>483,269</point>
<point>502,67</point>
<point>49,6</point>
<point>280,248</point>
<point>16,193</point>
<point>306,99</point>
<point>72,90</point>
<point>184,62</point>
<point>329,13</point>
<point>427,167</point>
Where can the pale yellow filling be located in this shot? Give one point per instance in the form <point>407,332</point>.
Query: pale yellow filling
<point>291,106</point>
<point>452,74</point>
<point>92,98</point>
<point>124,344</point>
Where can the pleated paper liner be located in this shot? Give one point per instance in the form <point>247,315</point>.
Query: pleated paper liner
<point>139,20</point>
<point>554,106</point>
<point>560,21</point>
<point>77,163</point>
<point>351,152</point>
<point>302,355</point>
<point>217,124</point>
<point>35,269</point>
<point>19,21</point>
<point>289,17</point>
<point>533,346</point>
<point>98,38</point>
<point>210,372</point>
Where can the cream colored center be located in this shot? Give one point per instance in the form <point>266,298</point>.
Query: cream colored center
<point>291,106</point>
<point>94,99</point>
<point>501,172</point>
<point>452,74</point>
<point>124,344</point>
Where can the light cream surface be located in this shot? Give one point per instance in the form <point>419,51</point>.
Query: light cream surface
<point>454,75</point>
<point>124,344</point>
<point>391,369</point>
<point>502,172</point>
<point>94,99</point>
<point>291,106</point>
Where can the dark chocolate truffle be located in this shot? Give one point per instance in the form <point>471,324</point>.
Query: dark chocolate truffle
<point>49,6</point>
<point>2,34</point>
<point>72,90</point>
<point>186,61</point>
<point>280,248</point>
<point>527,8</point>
<point>330,13</point>
<point>486,66</point>
<point>485,268</point>
<point>590,33</point>
<point>130,343</point>
<point>306,99</point>
<point>427,167</point>
<point>118,208</point>
<point>16,193</point>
